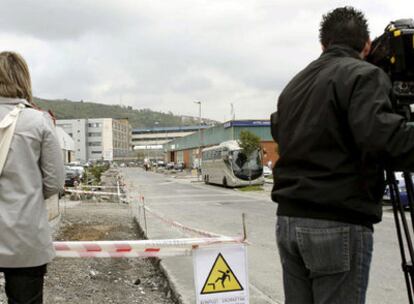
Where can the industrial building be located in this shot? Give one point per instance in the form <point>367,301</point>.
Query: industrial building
<point>98,138</point>
<point>186,149</point>
<point>149,142</point>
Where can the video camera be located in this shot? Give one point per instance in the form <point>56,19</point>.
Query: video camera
<point>393,51</point>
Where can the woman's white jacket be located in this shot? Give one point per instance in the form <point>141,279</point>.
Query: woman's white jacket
<point>33,172</point>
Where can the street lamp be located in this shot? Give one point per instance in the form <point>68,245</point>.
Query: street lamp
<point>156,154</point>
<point>233,117</point>
<point>199,139</point>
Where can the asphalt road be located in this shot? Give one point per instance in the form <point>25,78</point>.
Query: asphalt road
<point>219,210</point>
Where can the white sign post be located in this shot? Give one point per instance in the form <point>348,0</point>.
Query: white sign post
<point>220,274</point>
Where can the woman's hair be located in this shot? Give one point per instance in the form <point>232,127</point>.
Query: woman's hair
<point>14,77</point>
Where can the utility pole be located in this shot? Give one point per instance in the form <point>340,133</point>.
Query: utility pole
<point>199,139</point>
<point>232,120</point>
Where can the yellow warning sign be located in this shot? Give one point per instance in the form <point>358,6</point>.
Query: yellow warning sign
<point>221,278</point>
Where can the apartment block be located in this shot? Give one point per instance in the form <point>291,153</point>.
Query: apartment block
<point>98,138</point>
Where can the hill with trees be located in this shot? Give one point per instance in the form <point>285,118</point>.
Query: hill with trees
<point>138,118</point>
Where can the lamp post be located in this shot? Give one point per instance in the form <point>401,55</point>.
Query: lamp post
<point>155,147</point>
<point>199,139</point>
<point>233,117</point>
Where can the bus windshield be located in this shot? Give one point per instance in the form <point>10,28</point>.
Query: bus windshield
<point>243,166</point>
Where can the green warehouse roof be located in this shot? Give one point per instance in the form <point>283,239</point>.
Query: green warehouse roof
<point>219,133</point>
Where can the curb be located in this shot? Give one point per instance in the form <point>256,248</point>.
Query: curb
<point>175,295</point>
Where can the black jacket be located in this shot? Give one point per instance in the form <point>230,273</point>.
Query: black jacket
<point>336,131</point>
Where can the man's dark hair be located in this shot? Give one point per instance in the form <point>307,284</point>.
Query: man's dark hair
<point>346,26</point>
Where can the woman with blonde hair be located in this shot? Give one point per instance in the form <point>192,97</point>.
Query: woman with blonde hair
<point>31,170</point>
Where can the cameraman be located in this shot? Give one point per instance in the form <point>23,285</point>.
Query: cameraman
<point>336,132</point>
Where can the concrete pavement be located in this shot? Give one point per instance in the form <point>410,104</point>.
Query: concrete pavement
<point>220,210</point>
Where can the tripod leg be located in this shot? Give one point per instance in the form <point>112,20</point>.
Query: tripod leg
<point>401,227</point>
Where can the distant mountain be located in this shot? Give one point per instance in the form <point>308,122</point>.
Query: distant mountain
<point>143,118</point>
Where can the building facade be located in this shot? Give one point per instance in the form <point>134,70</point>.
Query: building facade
<point>66,144</point>
<point>98,138</point>
<point>186,149</point>
<point>149,142</point>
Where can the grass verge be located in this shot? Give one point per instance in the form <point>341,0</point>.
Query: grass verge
<point>251,188</point>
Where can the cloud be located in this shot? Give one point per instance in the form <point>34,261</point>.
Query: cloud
<point>62,20</point>
<point>166,54</point>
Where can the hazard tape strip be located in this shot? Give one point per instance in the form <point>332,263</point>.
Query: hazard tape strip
<point>181,226</point>
<point>141,248</point>
<point>164,254</point>
<point>89,192</point>
<point>95,186</point>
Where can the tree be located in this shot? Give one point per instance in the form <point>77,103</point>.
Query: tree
<point>249,143</point>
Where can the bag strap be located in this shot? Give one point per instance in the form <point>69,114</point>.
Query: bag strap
<point>7,127</point>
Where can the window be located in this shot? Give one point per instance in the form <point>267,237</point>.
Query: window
<point>94,144</point>
<point>95,134</point>
<point>94,125</point>
<point>96,152</point>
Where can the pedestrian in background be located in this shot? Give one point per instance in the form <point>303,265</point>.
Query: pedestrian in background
<point>336,132</point>
<point>32,171</point>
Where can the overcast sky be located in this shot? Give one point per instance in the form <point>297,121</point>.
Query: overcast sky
<point>164,55</point>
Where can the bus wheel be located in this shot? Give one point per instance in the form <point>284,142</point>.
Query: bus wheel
<point>225,182</point>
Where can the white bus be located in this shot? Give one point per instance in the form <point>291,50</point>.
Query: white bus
<point>226,165</point>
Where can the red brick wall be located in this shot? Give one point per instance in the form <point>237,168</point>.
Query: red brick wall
<point>269,152</point>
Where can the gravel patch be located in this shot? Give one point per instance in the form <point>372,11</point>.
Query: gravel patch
<point>92,280</point>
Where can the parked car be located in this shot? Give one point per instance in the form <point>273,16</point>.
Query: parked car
<point>80,170</point>
<point>71,177</point>
<point>179,166</point>
<point>169,166</point>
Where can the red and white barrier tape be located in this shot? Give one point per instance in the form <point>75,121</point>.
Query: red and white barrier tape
<point>90,192</point>
<point>142,248</point>
<point>95,186</point>
<point>181,226</point>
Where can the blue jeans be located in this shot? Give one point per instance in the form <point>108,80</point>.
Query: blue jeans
<point>324,261</point>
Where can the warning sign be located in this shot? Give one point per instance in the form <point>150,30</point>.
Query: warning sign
<point>221,278</point>
<point>220,274</point>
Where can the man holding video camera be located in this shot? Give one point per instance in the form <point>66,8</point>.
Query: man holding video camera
<point>336,132</point>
